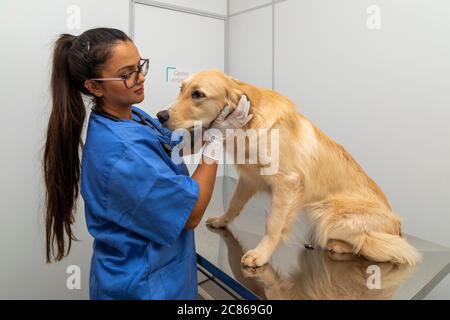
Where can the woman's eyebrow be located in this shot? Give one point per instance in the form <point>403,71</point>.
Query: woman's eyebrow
<point>130,66</point>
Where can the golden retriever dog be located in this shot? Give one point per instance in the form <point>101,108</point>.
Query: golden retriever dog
<point>348,211</point>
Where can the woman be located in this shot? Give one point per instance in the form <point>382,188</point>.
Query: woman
<point>141,207</point>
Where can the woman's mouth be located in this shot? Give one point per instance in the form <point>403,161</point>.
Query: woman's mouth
<point>139,91</point>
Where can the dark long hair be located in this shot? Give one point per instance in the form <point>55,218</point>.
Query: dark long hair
<point>75,59</point>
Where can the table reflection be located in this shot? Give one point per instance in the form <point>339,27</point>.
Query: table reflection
<point>318,274</point>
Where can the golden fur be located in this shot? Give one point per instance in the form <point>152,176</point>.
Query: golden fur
<point>348,211</point>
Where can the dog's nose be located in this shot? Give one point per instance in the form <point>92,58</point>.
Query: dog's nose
<point>163,116</point>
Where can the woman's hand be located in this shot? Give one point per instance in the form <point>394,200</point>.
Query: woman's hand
<point>236,120</point>
<point>223,126</point>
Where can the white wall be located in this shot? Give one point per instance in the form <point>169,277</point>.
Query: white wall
<point>250,53</point>
<point>383,94</point>
<point>213,6</point>
<point>240,5</point>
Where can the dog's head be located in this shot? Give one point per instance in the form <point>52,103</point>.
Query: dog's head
<point>202,97</point>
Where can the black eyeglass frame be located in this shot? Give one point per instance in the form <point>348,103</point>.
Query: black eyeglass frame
<point>136,73</point>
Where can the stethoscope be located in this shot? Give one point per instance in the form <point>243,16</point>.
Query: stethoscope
<point>142,120</point>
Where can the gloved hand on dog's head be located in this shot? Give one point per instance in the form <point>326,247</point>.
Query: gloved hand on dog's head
<point>224,125</point>
<point>235,120</point>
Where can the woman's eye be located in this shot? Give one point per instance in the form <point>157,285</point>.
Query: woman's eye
<point>198,94</point>
<point>126,76</point>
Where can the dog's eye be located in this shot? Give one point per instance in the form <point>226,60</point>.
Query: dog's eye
<point>197,94</point>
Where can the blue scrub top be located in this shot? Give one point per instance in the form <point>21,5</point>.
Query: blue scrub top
<point>137,202</point>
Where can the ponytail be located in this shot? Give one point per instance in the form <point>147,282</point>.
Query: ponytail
<point>75,59</point>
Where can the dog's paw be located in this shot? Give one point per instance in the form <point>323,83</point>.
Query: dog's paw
<point>336,246</point>
<point>254,258</point>
<point>216,222</point>
<point>255,272</point>
<point>337,257</point>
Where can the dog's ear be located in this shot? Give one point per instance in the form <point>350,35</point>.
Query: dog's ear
<point>237,88</point>
<point>232,97</point>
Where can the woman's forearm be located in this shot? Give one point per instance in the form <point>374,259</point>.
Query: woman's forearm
<point>205,175</point>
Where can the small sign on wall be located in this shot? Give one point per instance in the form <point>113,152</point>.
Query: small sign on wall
<point>176,75</point>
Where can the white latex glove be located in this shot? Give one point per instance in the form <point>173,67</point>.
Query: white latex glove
<point>236,120</point>
<point>217,132</point>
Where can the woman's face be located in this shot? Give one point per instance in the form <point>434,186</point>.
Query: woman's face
<point>124,59</point>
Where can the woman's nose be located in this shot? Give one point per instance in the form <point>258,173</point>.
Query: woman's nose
<point>141,78</point>
<point>163,116</point>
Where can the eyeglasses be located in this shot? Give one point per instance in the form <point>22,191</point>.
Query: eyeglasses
<point>130,79</point>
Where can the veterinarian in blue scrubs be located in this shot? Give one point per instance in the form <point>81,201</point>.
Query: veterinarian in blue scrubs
<point>140,206</point>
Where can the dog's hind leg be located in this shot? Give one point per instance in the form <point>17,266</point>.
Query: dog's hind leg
<point>369,229</point>
<point>244,191</point>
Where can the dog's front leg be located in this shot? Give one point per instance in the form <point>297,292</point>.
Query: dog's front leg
<point>282,208</point>
<point>244,191</point>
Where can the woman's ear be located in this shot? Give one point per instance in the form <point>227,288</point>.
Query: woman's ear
<point>93,88</point>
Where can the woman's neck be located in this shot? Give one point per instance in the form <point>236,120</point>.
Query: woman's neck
<point>119,112</point>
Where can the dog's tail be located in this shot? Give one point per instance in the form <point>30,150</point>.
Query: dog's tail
<point>383,247</point>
